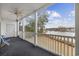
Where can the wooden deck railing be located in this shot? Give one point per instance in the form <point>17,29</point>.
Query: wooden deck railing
<point>62,45</point>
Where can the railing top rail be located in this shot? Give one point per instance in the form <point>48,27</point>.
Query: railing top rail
<point>58,35</point>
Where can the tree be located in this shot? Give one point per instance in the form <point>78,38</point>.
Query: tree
<point>41,23</point>
<point>42,20</point>
<point>31,26</point>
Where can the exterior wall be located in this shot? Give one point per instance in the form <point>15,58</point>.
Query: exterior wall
<point>3,27</point>
<point>77,27</point>
<point>0,25</point>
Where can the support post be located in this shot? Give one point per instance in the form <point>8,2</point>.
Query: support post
<point>23,29</point>
<point>36,24</point>
<point>17,28</point>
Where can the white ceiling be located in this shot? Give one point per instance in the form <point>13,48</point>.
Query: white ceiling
<point>26,8</point>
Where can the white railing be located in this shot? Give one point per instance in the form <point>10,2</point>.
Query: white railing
<point>61,45</point>
<point>29,36</point>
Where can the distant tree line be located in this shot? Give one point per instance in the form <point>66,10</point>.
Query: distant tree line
<point>62,29</point>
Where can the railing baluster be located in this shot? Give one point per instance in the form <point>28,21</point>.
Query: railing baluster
<point>42,40</point>
<point>64,46</point>
<point>52,43</point>
<point>72,47</point>
<point>68,47</point>
<point>61,45</point>
<point>49,42</point>
<point>58,44</point>
<point>55,43</point>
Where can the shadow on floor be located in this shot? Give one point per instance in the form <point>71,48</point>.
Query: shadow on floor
<point>19,47</point>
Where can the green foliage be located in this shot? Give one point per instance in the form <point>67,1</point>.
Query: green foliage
<point>30,27</point>
<point>42,20</point>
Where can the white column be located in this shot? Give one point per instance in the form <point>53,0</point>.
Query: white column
<point>77,28</point>
<point>23,29</point>
<point>36,22</point>
<point>17,28</point>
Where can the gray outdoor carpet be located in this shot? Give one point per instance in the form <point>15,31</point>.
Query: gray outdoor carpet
<point>19,47</point>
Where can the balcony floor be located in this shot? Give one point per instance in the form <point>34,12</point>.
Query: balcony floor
<point>19,47</point>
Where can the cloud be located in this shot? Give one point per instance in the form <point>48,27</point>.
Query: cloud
<point>53,14</point>
<point>66,22</point>
<point>57,23</point>
<point>48,12</point>
<point>55,20</point>
<point>72,13</point>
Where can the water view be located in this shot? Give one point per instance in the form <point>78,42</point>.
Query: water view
<point>72,34</point>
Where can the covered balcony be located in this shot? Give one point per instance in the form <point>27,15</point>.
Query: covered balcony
<point>22,26</point>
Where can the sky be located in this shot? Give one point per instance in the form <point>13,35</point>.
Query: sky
<point>61,14</point>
